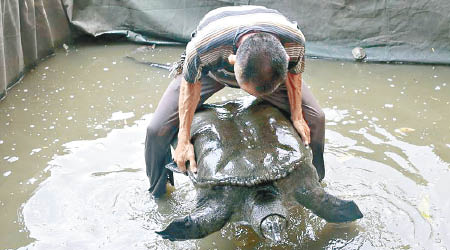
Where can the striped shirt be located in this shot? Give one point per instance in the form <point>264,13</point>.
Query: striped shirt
<point>218,32</point>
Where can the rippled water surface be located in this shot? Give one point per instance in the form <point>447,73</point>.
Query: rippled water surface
<point>72,172</point>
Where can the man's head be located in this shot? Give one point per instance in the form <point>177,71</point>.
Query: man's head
<point>261,64</point>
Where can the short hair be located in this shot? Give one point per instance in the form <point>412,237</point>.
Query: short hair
<point>262,62</point>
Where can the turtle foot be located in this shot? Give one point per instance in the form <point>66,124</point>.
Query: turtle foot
<point>207,218</point>
<point>180,229</point>
<point>328,207</point>
<point>340,211</point>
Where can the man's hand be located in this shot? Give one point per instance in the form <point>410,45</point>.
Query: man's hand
<point>183,153</point>
<point>303,129</point>
<point>188,101</point>
<point>294,89</point>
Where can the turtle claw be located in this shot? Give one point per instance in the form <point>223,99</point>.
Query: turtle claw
<point>201,222</point>
<point>179,229</point>
<point>342,211</point>
<point>327,206</point>
<point>165,235</point>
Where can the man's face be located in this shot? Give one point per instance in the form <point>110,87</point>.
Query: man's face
<point>246,86</point>
<point>249,87</point>
<point>254,91</point>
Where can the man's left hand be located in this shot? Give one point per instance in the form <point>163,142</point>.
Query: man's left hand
<point>303,129</point>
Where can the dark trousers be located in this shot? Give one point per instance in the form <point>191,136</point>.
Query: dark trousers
<point>164,126</point>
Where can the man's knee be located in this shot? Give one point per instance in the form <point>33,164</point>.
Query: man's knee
<point>317,122</point>
<point>321,118</point>
<point>153,129</point>
<point>157,132</point>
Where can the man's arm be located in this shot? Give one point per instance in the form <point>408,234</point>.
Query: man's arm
<point>294,89</point>
<point>187,103</point>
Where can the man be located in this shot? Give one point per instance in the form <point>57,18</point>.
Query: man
<point>249,47</point>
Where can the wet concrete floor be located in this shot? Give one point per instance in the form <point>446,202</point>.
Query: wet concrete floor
<point>72,173</point>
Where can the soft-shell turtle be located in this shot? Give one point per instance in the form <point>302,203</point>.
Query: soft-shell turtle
<point>251,163</point>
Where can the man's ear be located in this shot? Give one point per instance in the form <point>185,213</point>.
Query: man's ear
<point>232,59</point>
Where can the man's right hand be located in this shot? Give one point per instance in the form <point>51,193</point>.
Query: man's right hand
<point>187,103</point>
<point>183,153</point>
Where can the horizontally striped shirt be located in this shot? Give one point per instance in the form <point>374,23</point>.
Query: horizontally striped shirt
<point>218,32</point>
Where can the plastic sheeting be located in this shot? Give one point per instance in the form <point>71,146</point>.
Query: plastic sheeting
<point>139,20</point>
<point>388,30</point>
<point>29,30</point>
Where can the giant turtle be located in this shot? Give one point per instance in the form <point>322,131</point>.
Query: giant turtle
<point>251,163</point>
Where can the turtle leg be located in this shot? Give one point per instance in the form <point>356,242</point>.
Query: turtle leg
<point>327,206</point>
<point>310,194</point>
<point>210,215</point>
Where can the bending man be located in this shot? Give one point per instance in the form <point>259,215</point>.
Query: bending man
<point>249,47</point>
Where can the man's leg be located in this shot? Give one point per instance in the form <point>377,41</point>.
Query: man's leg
<point>313,115</point>
<point>162,129</point>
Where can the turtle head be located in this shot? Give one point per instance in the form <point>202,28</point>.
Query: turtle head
<point>266,213</point>
<point>273,227</point>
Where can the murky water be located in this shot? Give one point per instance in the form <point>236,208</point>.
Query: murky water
<point>72,172</point>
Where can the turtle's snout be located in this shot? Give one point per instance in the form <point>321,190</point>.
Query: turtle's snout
<point>266,213</point>
<point>273,227</point>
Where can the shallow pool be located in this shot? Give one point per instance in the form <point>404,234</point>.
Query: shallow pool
<point>72,172</point>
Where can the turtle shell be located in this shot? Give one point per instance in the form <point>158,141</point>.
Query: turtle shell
<point>244,142</point>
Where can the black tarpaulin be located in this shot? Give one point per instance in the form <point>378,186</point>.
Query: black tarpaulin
<point>29,30</point>
<point>387,30</point>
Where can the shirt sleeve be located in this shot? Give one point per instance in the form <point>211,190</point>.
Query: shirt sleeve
<point>192,67</point>
<point>296,50</point>
<point>298,66</point>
